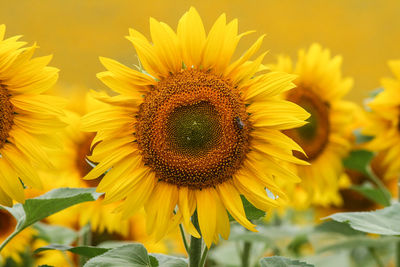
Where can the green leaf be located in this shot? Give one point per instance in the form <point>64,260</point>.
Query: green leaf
<point>360,241</point>
<point>358,160</point>
<point>376,91</point>
<point>167,261</point>
<point>337,227</point>
<point>38,208</point>
<point>153,261</point>
<point>252,213</point>
<point>360,138</point>
<point>371,193</point>
<point>297,243</point>
<point>278,261</point>
<point>133,255</point>
<point>56,234</point>
<point>384,221</point>
<point>114,244</point>
<point>87,251</point>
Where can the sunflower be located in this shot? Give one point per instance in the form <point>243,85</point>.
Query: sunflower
<point>325,139</point>
<point>192,131</point>
<point>27,119</point>
<point>18,244</point>
<point>51,257</point>
<point>71,165</point>
<point>385,122</point>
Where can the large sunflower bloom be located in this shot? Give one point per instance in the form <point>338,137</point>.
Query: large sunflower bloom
<point>385,122</point>
<point>325,139</point>
<point>193,130</point>
<point>27,118</point>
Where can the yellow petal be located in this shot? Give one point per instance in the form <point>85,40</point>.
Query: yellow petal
<point>233,203</point>
<point>192,36</point>
<point>207,214</point>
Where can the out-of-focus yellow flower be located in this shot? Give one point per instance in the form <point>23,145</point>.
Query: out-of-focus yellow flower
<point>351,199</point>
<point>71,165</point>
<point>28,118</point>
<point>193,130</point>
<point>52,257</point>
<point>325,139</point>
<point>385,122</point>
<point>18,244</point>
<point>170,244</point>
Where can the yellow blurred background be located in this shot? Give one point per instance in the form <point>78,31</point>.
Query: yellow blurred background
<point>76,32</point>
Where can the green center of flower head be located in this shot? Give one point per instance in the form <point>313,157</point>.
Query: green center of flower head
<point>194,128</point>
<point>309,131</point>
<point>6,115</point>
<point>314,136</point>
<point>7,224</point>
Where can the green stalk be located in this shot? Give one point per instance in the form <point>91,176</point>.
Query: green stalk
<point>376,257</point>
<point>378,182</point>
<point>204,257</point>
<point>184,238</point>
<point>246,254</point>
<point>195,245</point>
<point>5,242</point>
<point>85,239</point>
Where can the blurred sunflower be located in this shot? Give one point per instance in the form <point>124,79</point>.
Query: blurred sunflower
<point>193,130</point>
<point>71,165</point>
<point>18,244</point>
<point>27,119</point>
<point>325,139</point>
<point>385,122</point>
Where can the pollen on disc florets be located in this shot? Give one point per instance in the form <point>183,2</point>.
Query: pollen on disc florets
<point>314,136</point>
<point>193,129</point>
<point>6,115</point>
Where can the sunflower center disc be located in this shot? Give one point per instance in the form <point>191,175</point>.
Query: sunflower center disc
<point>314,136</point>
<point>187,129</point>
<point>7,224</point>
<point>194,129</point>
<point>6,115</point>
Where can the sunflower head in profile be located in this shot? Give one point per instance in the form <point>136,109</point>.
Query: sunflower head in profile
<point>28,118</point>
<point>192,130</point>
<point>384,121</point>
<point>325,139</point>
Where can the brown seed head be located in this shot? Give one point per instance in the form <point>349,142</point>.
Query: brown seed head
<point>193,129</point>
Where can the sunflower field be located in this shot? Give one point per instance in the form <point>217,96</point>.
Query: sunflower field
<point>199,133</point>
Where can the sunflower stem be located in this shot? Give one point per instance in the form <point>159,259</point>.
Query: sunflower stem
<point>8,239</point>
<point>378,182</point>
<point>376,257</point>
<point>195,245</point>
<point>185,243</point>
<point>246,254</point>
<point>85,239</point>
<point>204,257</point>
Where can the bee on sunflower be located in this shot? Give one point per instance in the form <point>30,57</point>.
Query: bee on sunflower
<point>28,118</point>
<point>192,131</point>
<point>320,88</point>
